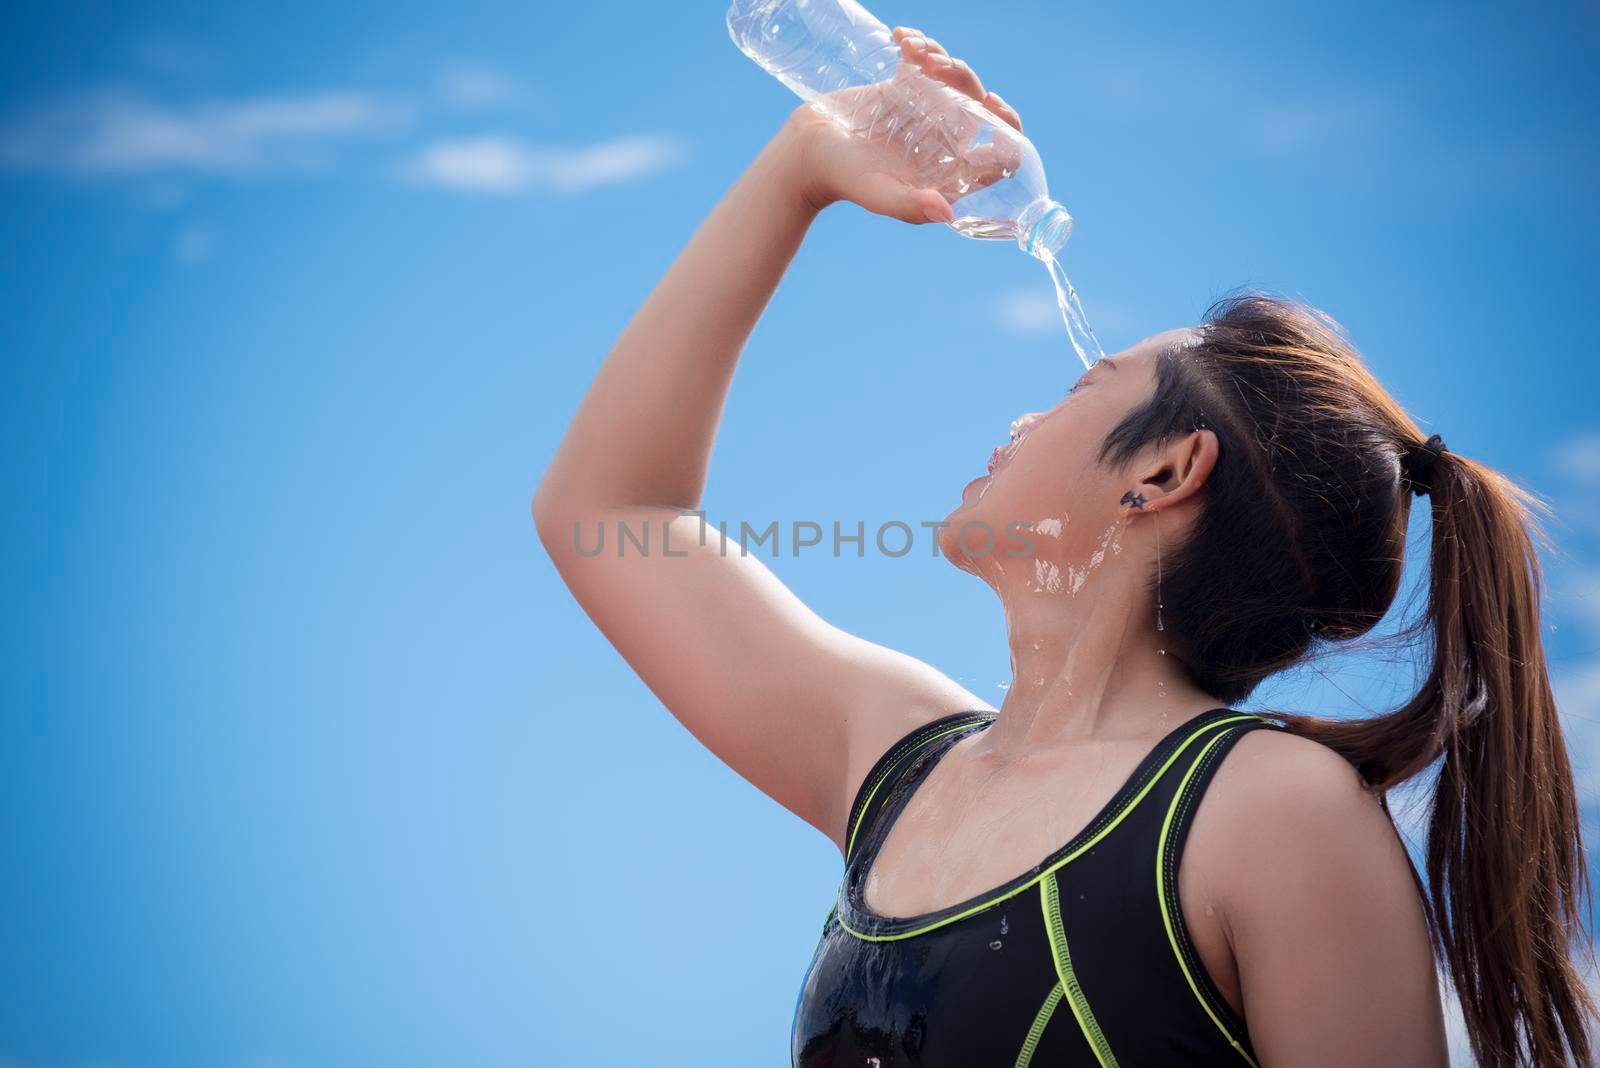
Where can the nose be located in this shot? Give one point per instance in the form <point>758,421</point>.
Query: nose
<point>1022,423</point>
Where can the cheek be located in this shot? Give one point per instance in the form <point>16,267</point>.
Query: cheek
<point>1046,494</point>
<point>1021,493</point>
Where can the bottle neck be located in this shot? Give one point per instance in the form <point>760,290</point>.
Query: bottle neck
<point>1043,227</point>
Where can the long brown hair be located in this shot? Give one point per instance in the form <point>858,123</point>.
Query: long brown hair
<point>1300,543</point>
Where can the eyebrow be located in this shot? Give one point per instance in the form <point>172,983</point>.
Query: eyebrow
<point>1109,361</point>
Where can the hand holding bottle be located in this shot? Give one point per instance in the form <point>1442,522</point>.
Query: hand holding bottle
<point>904,153</point>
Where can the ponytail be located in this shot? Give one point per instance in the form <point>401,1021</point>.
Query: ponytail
<point>1505,861</point>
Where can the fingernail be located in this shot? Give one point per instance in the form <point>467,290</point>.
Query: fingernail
<point>916,44</point>
<point>939,59</point>
<point>933,214</point>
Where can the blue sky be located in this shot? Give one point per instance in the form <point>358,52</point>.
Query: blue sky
<point>308,757</point>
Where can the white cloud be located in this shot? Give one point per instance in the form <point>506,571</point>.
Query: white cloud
<point>503,164</point>
<point>1577,463</point>
<point>195,245</point>
<point>1574,593</point>
<point>1455,1027</point>
<point>169,55</point>
<point>162,195</point>
<point>1293,128</point>
<point>1035,311</point>
<point>472,86</point>
<point>1030,312</point>
<point>121,132</point>
<point>1578,457</point>
<point>1577,690</point>
<point>1120,87</point>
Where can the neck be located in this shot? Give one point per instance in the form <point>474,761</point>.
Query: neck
<point>1089,666</point>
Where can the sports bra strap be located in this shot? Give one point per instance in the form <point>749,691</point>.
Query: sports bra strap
<point>879,784</point>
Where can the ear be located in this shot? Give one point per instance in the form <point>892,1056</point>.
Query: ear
<point>1180,470</point>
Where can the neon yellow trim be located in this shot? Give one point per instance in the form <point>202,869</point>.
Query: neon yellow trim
<point>850,845</point>
<point>1051,903</point>
<point>1107,829</point>
<point>1166,916</point>
<point>1051,1000</point>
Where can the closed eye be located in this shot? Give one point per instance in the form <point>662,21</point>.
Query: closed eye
<point>1083,379</point>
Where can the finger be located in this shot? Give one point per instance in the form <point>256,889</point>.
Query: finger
<point>988,164</point>
<point>995,103</point>
<point>913,50</point>
<point>954,73</point>
<point>883,194</point>
<point>921,42</point>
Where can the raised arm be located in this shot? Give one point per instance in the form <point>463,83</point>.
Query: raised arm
<point>794,705</point>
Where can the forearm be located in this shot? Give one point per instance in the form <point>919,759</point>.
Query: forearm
<point>644,431</point>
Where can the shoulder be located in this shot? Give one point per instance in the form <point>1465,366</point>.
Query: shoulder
<point>1304,865</point>
<point>1288,777</point>
<point>1280,796</point>
<point>1288,831</point>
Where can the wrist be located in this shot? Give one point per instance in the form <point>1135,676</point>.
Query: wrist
<point>783,166</point>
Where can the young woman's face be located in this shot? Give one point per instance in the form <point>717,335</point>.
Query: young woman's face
<point>1046,505</point>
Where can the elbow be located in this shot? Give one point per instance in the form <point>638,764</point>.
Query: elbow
<point>557,516</point>
<point>549,516</point>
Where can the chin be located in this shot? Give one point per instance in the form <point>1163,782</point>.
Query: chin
<point>950,546</point>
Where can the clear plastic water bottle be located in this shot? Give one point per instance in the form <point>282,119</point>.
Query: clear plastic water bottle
<point>845,63</point>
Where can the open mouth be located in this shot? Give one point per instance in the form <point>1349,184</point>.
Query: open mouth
<point>1003,453</point>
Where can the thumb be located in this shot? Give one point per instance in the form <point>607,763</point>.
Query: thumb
<point>884,194</point>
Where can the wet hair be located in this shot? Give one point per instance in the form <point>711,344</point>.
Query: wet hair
<point>1299,543</point>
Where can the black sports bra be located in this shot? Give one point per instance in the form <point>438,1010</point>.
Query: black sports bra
<point>1083,959</point>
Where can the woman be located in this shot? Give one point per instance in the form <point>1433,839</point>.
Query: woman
<point>1199,512</point>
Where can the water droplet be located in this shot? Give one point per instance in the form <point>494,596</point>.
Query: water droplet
<point>995,944</point>
<point>1003,926</point>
